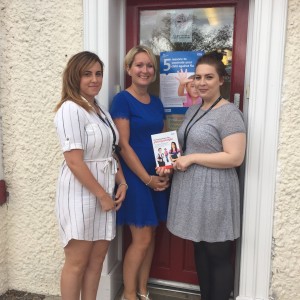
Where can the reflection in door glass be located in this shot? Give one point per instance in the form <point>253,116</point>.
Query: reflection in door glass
<point>187,30</point>
<point>205,29</point>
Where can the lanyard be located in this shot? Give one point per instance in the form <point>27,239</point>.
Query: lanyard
<point>116,148</point>
<point>187,128</point>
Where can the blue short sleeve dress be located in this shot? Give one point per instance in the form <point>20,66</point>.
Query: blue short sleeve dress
<point>142,206</point>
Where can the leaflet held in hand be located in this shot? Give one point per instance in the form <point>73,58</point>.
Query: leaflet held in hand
<point>166,148</point>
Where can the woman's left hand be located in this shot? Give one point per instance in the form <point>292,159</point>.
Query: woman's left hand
<point>182,163</point>
<point>120,195</point>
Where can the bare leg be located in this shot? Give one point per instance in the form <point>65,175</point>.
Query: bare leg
<point>76,259</point>
<point>92,273</point>
<point>144,271</point>
<point>135,254</point>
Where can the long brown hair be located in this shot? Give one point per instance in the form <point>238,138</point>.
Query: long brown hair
<point>76,66</point>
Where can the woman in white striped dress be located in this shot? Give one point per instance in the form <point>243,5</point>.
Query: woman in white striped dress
<point>85,205</point>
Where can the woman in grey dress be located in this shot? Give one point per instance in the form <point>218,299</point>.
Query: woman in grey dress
<point>205,201</point>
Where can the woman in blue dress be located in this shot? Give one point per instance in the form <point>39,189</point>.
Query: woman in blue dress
<point>137,115</point>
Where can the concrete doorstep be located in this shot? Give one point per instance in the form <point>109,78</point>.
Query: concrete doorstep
<point>165,294</point>
<point>156,294</point>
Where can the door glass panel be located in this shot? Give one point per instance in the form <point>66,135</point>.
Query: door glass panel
<point>187,29</point>
<point>197,29</point>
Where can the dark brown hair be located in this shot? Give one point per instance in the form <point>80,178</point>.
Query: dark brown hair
<point>213,59</point>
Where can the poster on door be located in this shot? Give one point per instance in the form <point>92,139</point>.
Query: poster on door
<point>177,88</point>
<point>181,30</point>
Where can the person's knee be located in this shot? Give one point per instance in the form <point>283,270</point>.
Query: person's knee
<point>76,266</point>
<point>96,262</point>
<point>143,239</point>
<point>143,244</point>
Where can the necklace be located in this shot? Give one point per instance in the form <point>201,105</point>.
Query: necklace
<point>90,105</point>
<point>187,128</point>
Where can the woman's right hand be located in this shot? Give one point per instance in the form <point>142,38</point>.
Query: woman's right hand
<point>79,168</point>
<point>107,203</point>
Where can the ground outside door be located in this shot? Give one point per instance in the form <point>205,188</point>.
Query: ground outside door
<point>214,25</point>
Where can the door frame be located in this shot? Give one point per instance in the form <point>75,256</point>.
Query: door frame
<point>262,99</point>
<point>239,47</point>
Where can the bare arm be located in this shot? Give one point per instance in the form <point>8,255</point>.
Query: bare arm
<point>165,128</point>
<point>232,156</point>
<point>122,186</point>
<point>78,167</point>
<point>132,160</point>
<point>180,91</point>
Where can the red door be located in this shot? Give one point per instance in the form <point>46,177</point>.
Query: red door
<point>174,259</point>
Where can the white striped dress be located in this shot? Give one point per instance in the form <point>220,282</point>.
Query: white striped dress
<point>78,211</point>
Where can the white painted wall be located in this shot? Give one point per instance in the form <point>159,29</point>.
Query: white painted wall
<point>3,218</point>
<point>3,209</point>
<point>285,283</point>
<point>3,252</point>
<point>37,39</point>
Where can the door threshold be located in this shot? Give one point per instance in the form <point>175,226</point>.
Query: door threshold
<point>160,292</point>
<point>174,286</point>
<point>182,290</point>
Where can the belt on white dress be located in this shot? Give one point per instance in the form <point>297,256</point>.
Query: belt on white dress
<point>110,166</point>
<point>109,162</point>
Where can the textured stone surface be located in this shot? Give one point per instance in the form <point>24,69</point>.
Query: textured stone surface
<point>285,283</point>
<point>18,295</point>
<point>37,39</point>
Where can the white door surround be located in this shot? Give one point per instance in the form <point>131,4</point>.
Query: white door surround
<point>264,76</point>
<point>104,33</point>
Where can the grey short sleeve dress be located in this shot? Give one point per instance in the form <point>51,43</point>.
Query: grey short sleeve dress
<point>78,211</point>
<point>205,202</point>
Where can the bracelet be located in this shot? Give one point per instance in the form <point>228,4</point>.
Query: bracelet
<point>149,180</point>
<point>123,183</point>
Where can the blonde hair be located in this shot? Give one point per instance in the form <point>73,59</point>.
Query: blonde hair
<point>129,58</point>
<point>76,66</point>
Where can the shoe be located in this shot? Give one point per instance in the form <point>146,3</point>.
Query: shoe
<point>144,297</point>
